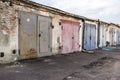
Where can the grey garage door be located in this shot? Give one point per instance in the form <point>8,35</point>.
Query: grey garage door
<point>27,31</point>
<point>44,33</point>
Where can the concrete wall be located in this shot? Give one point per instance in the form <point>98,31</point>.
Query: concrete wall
<point>9,32</point>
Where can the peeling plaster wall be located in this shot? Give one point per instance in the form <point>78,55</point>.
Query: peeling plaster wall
<point>8,32</point>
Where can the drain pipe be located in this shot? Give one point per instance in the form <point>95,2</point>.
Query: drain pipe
<point>83,20</point>
<point>98,35</point>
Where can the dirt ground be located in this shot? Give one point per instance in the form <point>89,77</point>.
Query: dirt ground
<point>100,65</point>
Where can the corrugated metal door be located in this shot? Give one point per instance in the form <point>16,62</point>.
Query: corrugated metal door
<point>44,33</point>
<point>102,36</point>
<point>90,37</point>
<point>28,35</point>
<point>70,36</point>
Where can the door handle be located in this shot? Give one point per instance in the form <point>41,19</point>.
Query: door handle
<point>90,37</point>
<point>72,37</point>
<point>39,35</point>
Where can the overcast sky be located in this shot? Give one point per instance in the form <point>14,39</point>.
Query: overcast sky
<point>105,10</point>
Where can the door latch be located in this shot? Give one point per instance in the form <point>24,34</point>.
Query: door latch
<point>90,37</point>
<point>72,37</point>
<point>39,35</point>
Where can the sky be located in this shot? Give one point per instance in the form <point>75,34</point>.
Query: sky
<point>105,10</point>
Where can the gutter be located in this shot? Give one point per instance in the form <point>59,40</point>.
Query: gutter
<point>98,34</point>
<point>83,20</point>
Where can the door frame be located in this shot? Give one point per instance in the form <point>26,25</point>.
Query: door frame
<point>96,26</point>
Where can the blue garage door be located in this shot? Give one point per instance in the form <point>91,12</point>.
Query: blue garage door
<point>90,37</point>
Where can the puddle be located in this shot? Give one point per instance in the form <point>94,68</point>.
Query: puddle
<point>100,62</point>
<point>47,60</point>
<point>79,76</point>
<point>94,64</point>
<point>17,71</point>
<point>51,63</point>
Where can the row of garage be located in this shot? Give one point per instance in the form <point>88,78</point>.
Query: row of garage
<point>36,30</point>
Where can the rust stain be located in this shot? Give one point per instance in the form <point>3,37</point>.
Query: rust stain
<point>5,28</point>
<point>27,51</point>
<point>32,53</point>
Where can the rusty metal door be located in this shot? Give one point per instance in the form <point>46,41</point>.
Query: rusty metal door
<point>44,34</point>
<point>70,36</point>
<point>28,47</point>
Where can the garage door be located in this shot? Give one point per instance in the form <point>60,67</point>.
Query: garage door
<point>90,37</point>
<point>70,36</point>
<point>44,36</point>
<point>28,48</point>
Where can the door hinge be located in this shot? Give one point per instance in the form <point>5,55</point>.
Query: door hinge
<point>52,26</point>
<point>59,23</point>
<point>19,52</point>
<point>39,35</point>
<point>48,46</point>
<point>90,37</point>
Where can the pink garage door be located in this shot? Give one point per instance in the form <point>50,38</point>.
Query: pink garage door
<point>70,36</point>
